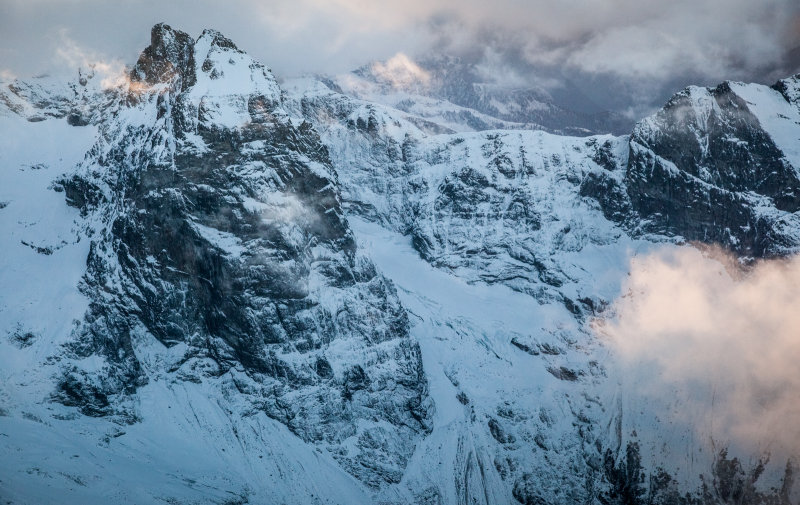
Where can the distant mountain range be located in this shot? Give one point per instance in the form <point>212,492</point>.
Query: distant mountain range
<point>370,288</point>
<point>462,96</point>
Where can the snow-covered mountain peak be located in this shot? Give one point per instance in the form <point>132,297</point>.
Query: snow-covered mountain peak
<point>464,95</point>
<point>218,40</point>
<point>222,69</point>
<point>212,65</point>
<point>300,295</point>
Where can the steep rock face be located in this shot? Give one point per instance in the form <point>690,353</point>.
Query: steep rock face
<point>520,209</point>
<point>499,207</point>
<point>505,199</point>
<point>494,210</point>
<point>218,231</point>
<point>169,56</point>
<point>710,167</point>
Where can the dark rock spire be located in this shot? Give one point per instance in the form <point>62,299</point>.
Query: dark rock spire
<point>169,56</point>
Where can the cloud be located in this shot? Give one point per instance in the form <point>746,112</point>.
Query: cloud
<point>711,38</point>
<point>715,345</point>
<point>111,72</point>
<point>659,45</point>
<point>623,36</point>
<point>101,69</point>
<point>401,72</point>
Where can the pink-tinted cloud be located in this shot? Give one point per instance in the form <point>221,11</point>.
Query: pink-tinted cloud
<point>712,346</point>
<point>654,39</point>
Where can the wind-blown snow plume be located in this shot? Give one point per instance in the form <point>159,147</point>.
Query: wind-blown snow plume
<point>696,329</point>
<point>111,72</point>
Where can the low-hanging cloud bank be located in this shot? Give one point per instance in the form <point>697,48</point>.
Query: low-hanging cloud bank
<point>634,39</point>
<point>719,344</point>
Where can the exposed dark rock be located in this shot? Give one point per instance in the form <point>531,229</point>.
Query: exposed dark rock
<point>524,347</point>
<point>701,170</point>
<point>231,241</point>
<point>22,338</point>
<point>169,55</point>
<point>527,491</point>
<point>499,434</point>
<point>46,250</point>
<point>77,392</point>
<point>626,477</point>
<point>563,373</point>
<point>217,236</point>
<point>609,192</point>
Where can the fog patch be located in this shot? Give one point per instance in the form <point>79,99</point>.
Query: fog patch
<point>401,72</point>
<point>7,75</point>
<point>283,208</point>
<point>712,345</point>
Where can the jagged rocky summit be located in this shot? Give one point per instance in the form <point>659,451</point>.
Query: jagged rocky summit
<point>219,289</point>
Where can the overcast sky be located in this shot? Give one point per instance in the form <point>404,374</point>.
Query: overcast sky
<point>652,42</point>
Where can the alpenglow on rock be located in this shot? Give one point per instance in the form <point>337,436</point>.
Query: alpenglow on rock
<point>219,289</point>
